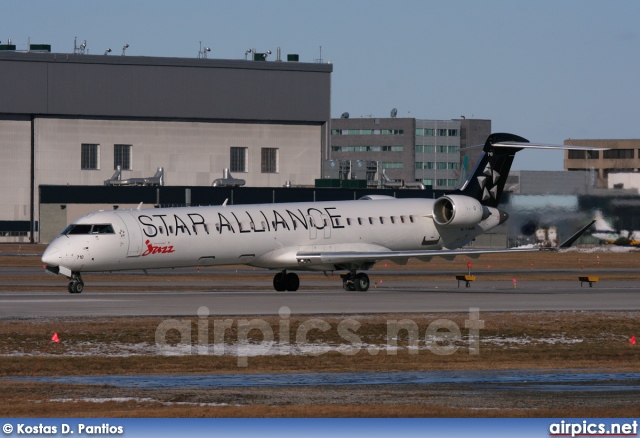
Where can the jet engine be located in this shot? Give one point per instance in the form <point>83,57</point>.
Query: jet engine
<point>458,210</point>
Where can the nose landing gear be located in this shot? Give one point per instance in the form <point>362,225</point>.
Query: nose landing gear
<point>76,285</point>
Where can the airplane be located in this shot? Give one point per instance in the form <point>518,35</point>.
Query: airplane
<point>349,236</point>
<point>606,233</point>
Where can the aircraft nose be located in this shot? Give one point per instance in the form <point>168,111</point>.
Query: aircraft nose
<point>52,256</point>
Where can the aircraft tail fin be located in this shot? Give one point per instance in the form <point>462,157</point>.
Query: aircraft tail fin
<point>488,178</point>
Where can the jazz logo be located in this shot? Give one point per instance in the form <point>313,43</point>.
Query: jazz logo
<point>152,249</point>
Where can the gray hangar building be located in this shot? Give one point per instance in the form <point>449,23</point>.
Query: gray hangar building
<point>71,119</point>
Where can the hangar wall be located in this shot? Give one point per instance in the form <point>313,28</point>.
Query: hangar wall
<point>15,171</point>
<point>191,153</point>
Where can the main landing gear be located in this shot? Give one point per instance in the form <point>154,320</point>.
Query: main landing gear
<point>352,281</point>
<point>355,282</point>
<point>76,285</point>
<point>286,281</point>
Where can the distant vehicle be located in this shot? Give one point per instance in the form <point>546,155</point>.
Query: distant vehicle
<point>606,233</point>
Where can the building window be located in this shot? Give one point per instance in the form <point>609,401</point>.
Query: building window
<point>427,182</point>
<point>425,132</point>
<point>396,165</point>
<point>452,149</point>
<point>238,159</point>
<point>425,148</point>
<point>269,160</point>
<point>579,155</point>
<point>122,156</point>
<point>442,149</point>
<point>618,153</point>
<point>441,166</point>
<point>419,165</point>
<point>452,166</point>
<point>90,157</point>
<point>453,133</point>
<point>442,132</point>
<point>441,182</point>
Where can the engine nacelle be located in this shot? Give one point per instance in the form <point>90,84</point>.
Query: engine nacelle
<point>457,210</point>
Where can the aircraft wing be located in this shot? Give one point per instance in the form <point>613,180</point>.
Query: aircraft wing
<point>339,257</point>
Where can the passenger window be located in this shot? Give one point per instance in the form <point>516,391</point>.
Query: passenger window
<point>359,221</point>
<point>160,228</point>
<point>371,221</point>
<point>402,219</point>
<point>348,221</point>
<point>381,220</point>
<point>393,219</point>
<point>411,218</point>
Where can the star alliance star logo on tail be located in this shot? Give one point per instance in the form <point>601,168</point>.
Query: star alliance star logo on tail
<point>488,186</point>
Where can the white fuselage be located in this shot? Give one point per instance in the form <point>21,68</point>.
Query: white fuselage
<point>268,236</point>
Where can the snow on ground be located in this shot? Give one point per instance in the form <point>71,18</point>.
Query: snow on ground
<point>115,349</point>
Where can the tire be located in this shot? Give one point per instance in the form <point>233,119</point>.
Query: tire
<point>348,285</point>
<point>361,282</point>
<point>292,281</point>
<point>279,282</point>
<point>79,287</point>
<point>70,287</point>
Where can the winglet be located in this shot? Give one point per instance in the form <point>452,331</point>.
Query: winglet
<point>224,204</point>
<point>567,243</point>
<point>139,206</point>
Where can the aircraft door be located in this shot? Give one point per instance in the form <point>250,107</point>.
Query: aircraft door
<point>134,233</point>
<point>319,222</point>
<point>313,231</point>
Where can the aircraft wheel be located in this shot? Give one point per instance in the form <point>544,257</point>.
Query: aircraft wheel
<point>348,285</point>
<point>70,287</point>
<point>279,282</point>
<point>79,287</point>
<point>292,281</point>
<point>361,282</point>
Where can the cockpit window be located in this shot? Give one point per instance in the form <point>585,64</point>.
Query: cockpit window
<point>80,229</point>
<point>89,229</point>
<point>102,229</point>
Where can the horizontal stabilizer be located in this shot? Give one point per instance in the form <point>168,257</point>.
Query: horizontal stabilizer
<point>522,145</point>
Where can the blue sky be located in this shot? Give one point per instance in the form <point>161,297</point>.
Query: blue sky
<point>545,70</point>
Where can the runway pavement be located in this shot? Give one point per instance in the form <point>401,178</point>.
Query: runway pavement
<point>246,293</point>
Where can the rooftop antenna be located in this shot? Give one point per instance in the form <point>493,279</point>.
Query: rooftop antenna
<point>267,53</point>
<point>106,52</point>
<point>124,49</point>
<point>246,53</point>
<point>394,113</point>
<point>202,53</point>
<point>319,60</point>
<point>79,49</point>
